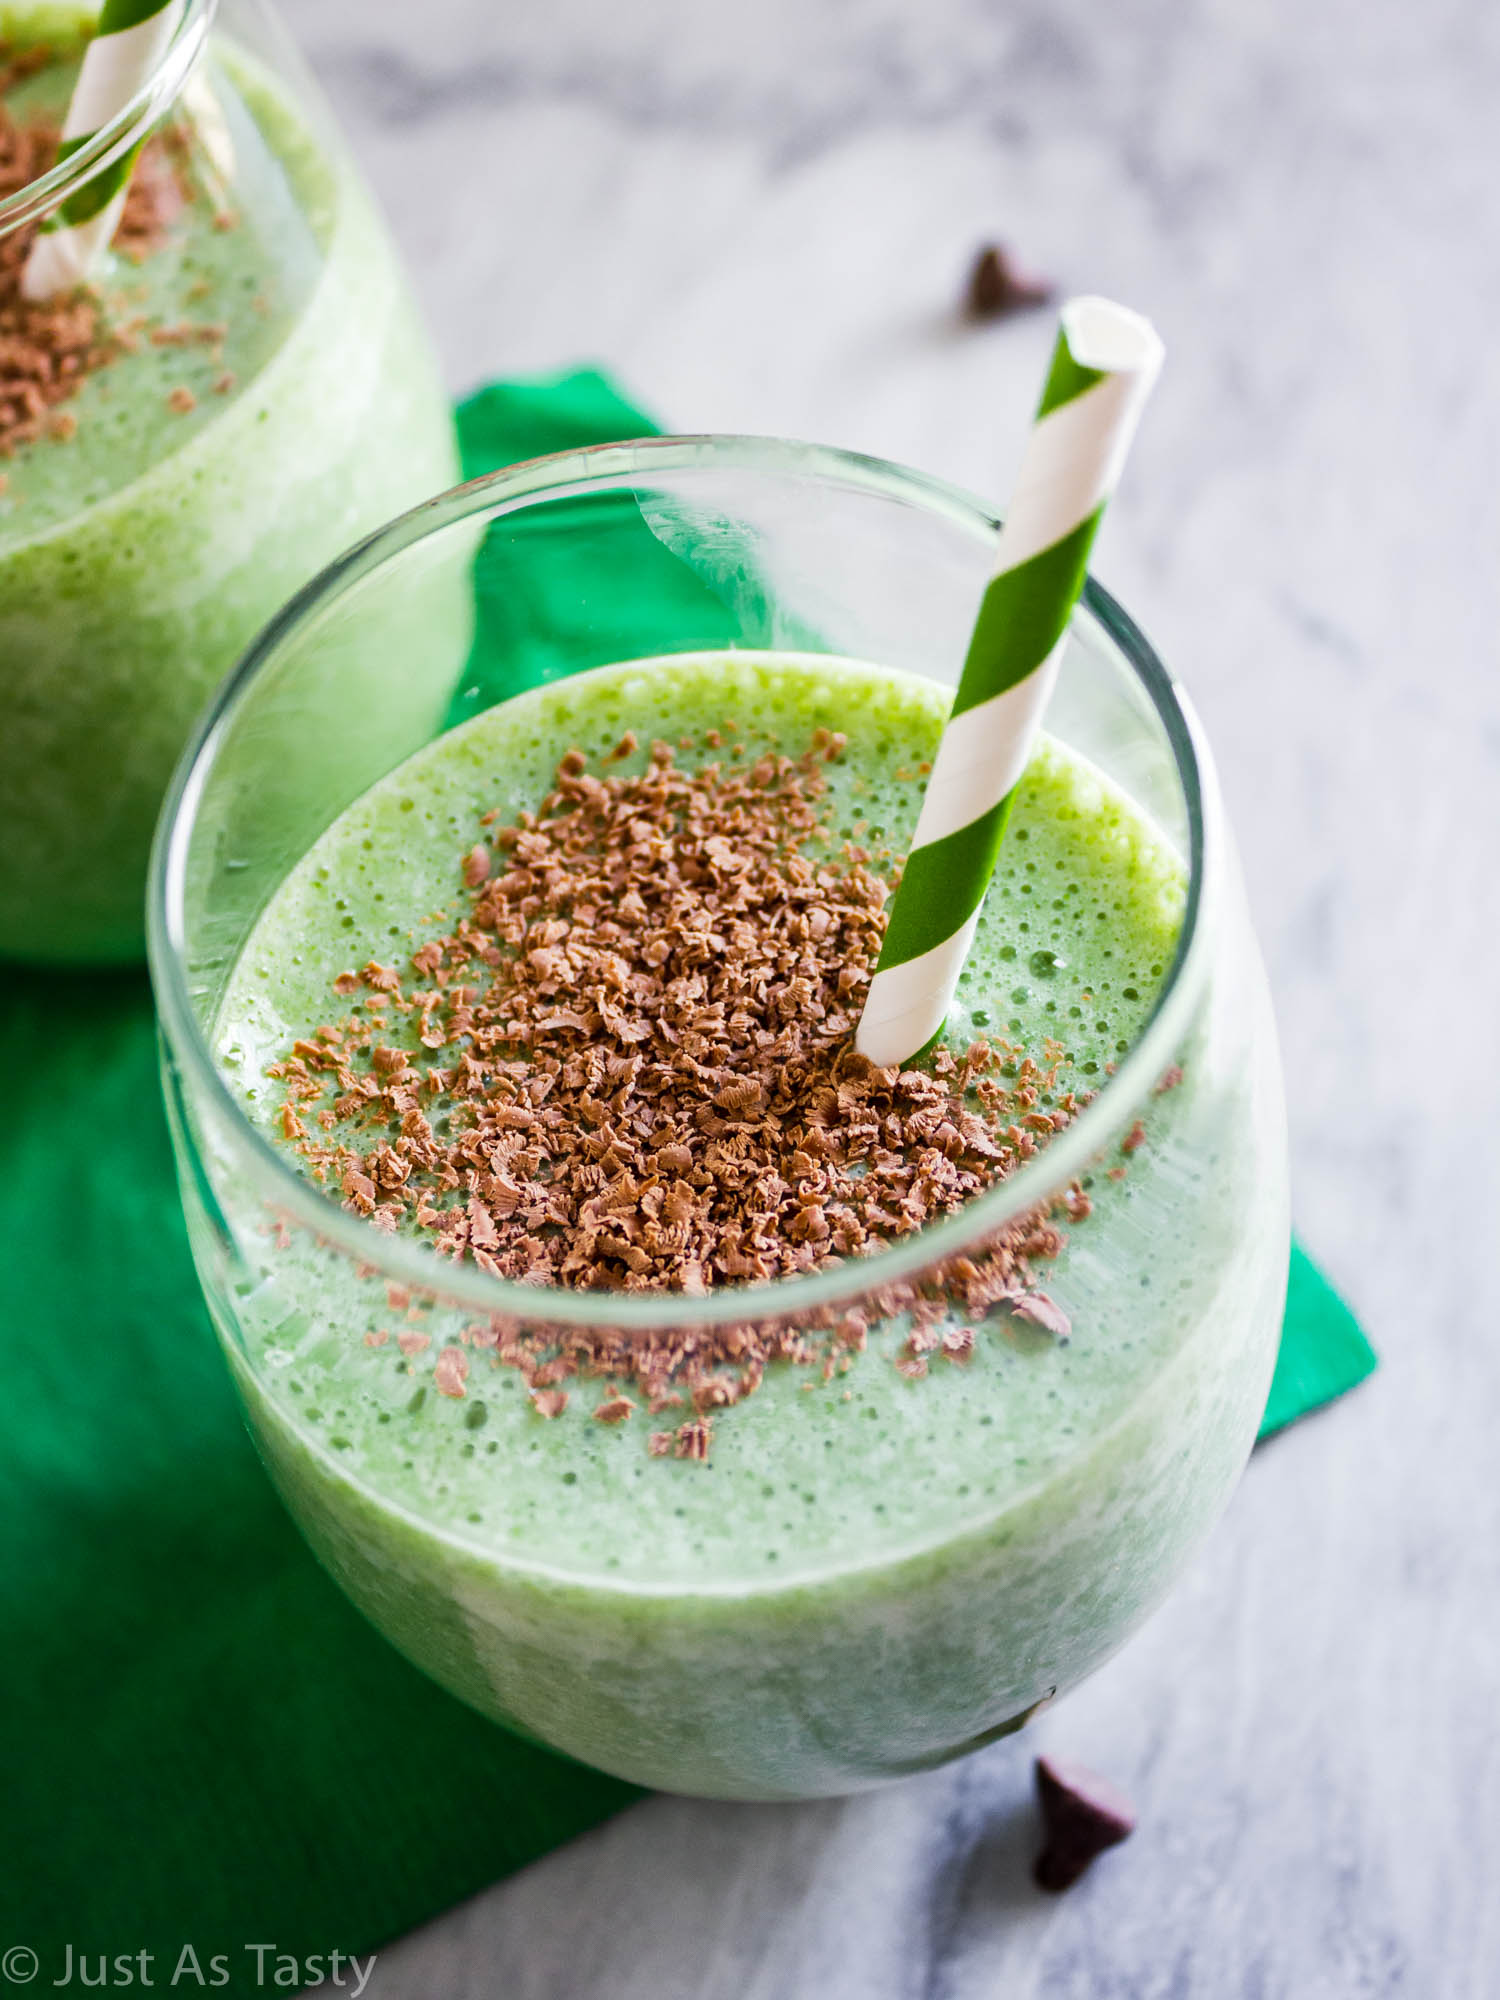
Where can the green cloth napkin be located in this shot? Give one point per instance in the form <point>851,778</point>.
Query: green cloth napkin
<point>1323,1352</point>
<point>201,1744</point>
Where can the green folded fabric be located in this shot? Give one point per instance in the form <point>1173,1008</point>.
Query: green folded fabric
<point>201,1744</point>
<point>1323,1352</point>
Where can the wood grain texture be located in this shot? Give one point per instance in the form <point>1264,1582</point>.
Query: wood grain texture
<point>761,219</point>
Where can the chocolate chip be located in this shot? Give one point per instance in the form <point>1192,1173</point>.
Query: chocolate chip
<point>1082,1815</point>
<point>996,289</point>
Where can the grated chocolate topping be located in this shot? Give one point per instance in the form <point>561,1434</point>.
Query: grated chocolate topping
<point>629,1066</point>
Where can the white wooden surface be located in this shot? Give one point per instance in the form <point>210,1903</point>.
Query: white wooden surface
<point>759,218</point>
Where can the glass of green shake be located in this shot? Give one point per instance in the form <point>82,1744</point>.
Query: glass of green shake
<point>671,1388</point>
<point>234,393</point>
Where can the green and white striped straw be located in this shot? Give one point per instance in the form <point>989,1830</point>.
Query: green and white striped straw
<point>1103,368</point>
<point>131,39</point>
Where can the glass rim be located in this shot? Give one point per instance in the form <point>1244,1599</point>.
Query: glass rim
<point>119,134</point>
<point>836,1286</point>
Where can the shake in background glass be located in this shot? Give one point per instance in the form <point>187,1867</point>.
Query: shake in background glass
<point>871,1573</point>
<point>259,393</point>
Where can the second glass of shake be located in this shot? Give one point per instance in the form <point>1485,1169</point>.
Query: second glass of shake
<point>194,417</point>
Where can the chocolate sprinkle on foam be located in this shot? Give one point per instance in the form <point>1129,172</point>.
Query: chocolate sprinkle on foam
<point>629,1065</point>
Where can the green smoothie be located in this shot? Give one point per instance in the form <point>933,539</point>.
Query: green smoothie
<point>870,1573</point>
<point>278,401</point>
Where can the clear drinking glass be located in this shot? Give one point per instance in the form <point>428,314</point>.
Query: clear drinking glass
<point>270,397</point>
<point>949,1610</point>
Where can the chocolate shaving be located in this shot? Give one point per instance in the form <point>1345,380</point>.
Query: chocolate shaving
<point>693,1440</point>
<point>1043,1312</point>
<point>452,1372</point>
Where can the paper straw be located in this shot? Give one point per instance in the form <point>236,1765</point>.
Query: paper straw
<point>131,39</point>
<point>1103,367</point>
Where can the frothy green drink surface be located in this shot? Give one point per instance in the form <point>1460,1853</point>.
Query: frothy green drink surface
<point>805,1477</point>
